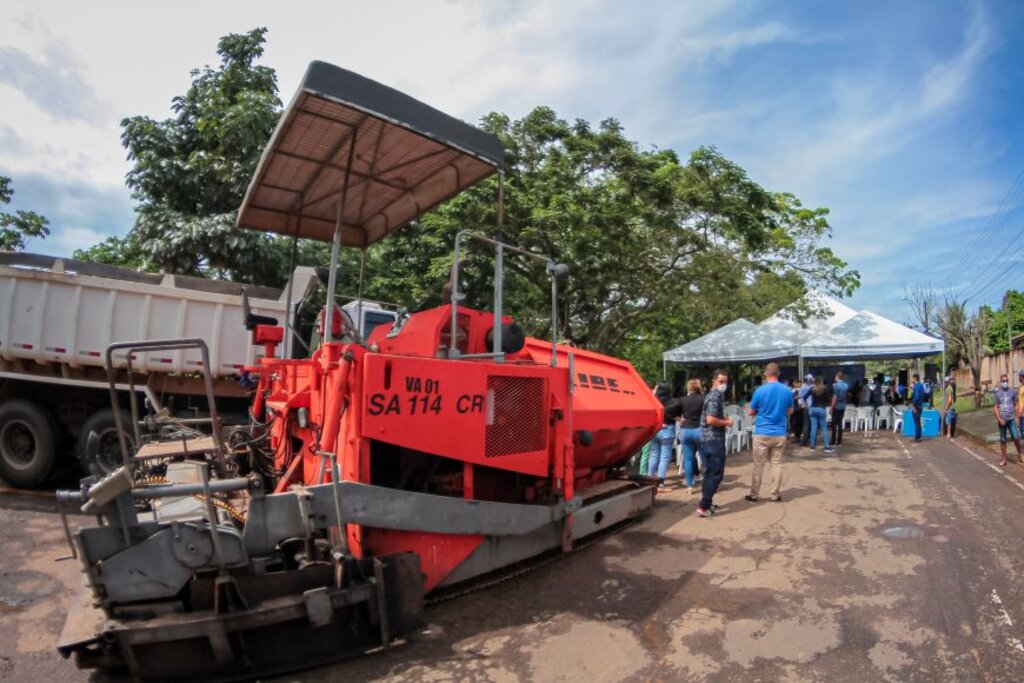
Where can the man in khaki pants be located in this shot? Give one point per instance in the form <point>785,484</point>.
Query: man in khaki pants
<point>771,405</point>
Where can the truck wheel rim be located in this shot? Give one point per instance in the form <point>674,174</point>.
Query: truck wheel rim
<point>17,444</point>
<point>108,453</point>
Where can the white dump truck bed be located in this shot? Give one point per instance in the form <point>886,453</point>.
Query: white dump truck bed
<point>55,310</point>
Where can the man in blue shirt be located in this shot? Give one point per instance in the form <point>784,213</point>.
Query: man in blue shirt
<point>771,405</point>
<point>840,390</point>
<point>917,405</point>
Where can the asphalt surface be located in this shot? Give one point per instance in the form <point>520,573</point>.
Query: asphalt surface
<point>891,561</point>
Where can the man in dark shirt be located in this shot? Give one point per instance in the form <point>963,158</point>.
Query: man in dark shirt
<point>917,405</point>
<point>1005,409</point>
<point>713,425</point>
<point>840,390</point>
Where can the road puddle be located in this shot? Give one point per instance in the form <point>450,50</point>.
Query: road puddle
<point>904,532</point>
<point>911,531</point>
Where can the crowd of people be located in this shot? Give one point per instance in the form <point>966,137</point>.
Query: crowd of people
<point>791,412</point>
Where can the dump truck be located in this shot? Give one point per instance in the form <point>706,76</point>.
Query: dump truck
<point>57,317</point>
<point>384,468</point>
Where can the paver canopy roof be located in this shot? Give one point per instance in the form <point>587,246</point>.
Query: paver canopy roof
<point>402,158</point>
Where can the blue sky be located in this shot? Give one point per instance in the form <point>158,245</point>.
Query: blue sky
<point>904,118</point>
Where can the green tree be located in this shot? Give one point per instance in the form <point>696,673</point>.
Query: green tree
<point>190,172</point>
<point>965,336</point>
<point>117,251</point>
<point>999,330</point>
<point>20,225</point>
<point>661,251</point>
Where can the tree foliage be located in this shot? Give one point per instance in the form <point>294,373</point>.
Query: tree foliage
<point>966,337</point>
<point>20,225</point>
<point>661,249</point>
<point>190,172</point>
<point>999,330</point>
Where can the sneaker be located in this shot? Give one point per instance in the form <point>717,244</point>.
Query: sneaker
<point>716,508</point>
<point>750,499</point>
<point>776,499</point>
<point>829,450</point>
<point>702,512</point>
<point>917,440</point>
<point>812,449</point>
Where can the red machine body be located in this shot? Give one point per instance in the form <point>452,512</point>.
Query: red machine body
<point>406,416</point>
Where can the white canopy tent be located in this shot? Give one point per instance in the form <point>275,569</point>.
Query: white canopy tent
<point>741,341</point>
<point>783,323</point>
<point>869,335</point>
<point>842,334</point>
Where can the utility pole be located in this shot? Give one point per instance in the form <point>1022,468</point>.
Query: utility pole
<point>1009,333</point>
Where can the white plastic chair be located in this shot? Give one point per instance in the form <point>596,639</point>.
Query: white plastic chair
<point>897,419</point>
<point>883,414</point>
<point>866,417</point>
<point>736,437</point>
<point>850,418</point>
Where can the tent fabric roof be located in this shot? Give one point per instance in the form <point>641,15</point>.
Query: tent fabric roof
<point>845,334</point>
<point>407,157</point>
<point>868,335</point>
<point>740,341</point>
<point>783,324</point>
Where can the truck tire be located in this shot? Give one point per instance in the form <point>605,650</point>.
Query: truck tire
<point>29,439</point>
<point>98,448</point>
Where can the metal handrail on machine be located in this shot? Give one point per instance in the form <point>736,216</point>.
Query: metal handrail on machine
<point>554,270</point>
<point>132,347</point>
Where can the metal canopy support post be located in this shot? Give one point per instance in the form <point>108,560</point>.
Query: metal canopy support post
<point>290,308</point>
<point>332,278</point>
<point>359,305</point>
<point>499,272</point>
<point>499,276</point>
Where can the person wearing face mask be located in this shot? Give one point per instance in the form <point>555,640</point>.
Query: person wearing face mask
<point>1006,412</point>
<point>1020,404</point>
<point>713,424</point>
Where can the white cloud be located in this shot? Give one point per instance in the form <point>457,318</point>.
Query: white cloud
<point>654,66</point>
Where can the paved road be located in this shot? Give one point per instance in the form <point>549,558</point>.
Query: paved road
<point>893,561</point>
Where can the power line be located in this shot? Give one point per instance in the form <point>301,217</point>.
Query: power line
<point>1007,206</point>
<point>995,278</point>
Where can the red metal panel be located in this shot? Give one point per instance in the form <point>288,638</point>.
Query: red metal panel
<point>444,407</point>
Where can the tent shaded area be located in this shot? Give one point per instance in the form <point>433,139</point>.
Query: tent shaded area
<point>741,341</point>
<point>870,336</point>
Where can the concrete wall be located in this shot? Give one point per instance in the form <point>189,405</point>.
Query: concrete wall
<point>991,368</point>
